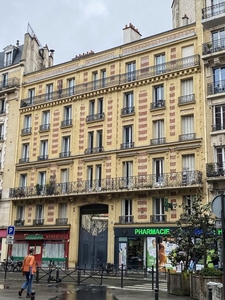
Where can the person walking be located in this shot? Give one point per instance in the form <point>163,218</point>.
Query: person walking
<point>28,270</point>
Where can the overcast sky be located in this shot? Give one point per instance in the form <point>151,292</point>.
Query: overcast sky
<point>73,27</point>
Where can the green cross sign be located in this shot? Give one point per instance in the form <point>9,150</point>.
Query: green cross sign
<point>167,205</point>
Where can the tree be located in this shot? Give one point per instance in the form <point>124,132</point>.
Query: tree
<point>196,233</point>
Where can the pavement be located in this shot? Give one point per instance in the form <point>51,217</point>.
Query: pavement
<point>110,290</point>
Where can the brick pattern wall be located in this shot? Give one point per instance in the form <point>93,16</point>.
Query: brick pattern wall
<point>55,132</point>
<point>82,126</point>
<point>142,116</point>
<point>50,213</point>
<point>109,125</point>
<point>142,207</point>
<point>35,136</point>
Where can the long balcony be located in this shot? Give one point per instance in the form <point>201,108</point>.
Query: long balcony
<point>93,150</point>
<point>213,46</point>
<point>10,83</point>
<point>186,99</point>
<point>25,131</point>
<point>216,87</point>
<point>187,137</point>
<point>158,141</point>
<point>116,80</point>
<point>44,127</point>
<point>215,169</point>
<point>95,117</point>
<point>127,110</point>
<point>158,104</point>
<point>218,127</point>
<point>130,183</point>
<point>66,123</point>
<point>213,15</point>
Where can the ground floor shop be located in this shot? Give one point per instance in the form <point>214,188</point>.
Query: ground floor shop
<point>49,246</point>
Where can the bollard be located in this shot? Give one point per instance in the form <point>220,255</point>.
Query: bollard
<point>121,276</point>
<point>145,272</point>
<point>32,295</point>
<point>78,276</point>
<point>37,274</point>
<point>152,277</point>
<point>210,293</point>
<point>57,275</point>
<point>156,294</point>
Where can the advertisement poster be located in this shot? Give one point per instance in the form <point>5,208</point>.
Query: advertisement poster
<point>122,254</point>
<point>164,249</point>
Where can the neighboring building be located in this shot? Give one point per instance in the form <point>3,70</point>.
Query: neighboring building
<point>14,62</point>
<point>111,144</point>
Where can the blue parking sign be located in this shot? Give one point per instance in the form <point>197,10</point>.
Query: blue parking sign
<point>11,230</point>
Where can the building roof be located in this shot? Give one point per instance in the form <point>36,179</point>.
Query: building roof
<point>16,56</point>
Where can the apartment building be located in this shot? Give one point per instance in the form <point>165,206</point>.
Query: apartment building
<point>110,144</point>
<point>15,60</point>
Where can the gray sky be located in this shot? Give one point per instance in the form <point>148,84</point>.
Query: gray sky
<point>73,27</point>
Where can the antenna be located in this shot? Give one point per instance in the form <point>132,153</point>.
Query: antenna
<point>32,34</point>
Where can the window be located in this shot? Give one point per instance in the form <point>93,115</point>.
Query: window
<point>158,210</point>
<point>160,63</point>
<point>2,106</point>
<point>95,80</point>
<point>100,107</point>
<point>218,38</point>
<point>20,213</point>
<point>187,87</point>
<point>127,211</point>
<point>8,58</point>
<point>49,92</point>
<point>219,117</point>
<point>1,132</point>
<point>44,150</point>
<point>42,178</point>
<point>220,159</point>
<point>127,137</point>
<point>127,174</point>
<point>23,180</point>
<point>5,80</point>
<point>188,163</point>
<point>92,107</point>
<point>128,103</point>
<point>90,141</point>
<point>158,171</point>
<point>158,132</point>
<point>158,96</point>
<point>187,51</point>
<point>219,80</point>
<point>187,127</point>
<point>63,210</point>
<point>98,177</point>
<point>65,180</point>
<point>99,140</point>
<point>45,120</point>
<point>39,212</point>
<point>65,146</point>
<point>31,95</point>
<point>26,124</point>
<point>90,177</point>
<point>187,202</point>
<point>131,71</point>
<point>103,78</point>
<point>71,87</point>
<point>25,153</point>
<point>67,115</point>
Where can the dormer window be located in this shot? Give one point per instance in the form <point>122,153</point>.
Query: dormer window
<point>8,58</point>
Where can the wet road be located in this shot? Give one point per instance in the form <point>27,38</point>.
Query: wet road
<point>86,293</point>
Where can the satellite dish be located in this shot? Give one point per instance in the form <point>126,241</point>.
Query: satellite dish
<point>217,205</point>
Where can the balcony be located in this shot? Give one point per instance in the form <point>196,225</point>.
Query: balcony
<point>10,83</point>
<point>44,127</point>
<point>158,104</point>
<point>214,46</point>
<point>213,15</point>
<point>2,112</point>
<point>19,222</point>
<point>218,127</point>
<point>187,137</point>
<point>25,131</point>
<point>215,169</point>
<point>64,154</point>
<point>129,183</point>
<point>120,79</point>
<point>93,150</point>
<point>23,160</point>
<point>95,117</point>
<point>66,123</point>
<point>61,221</point>
<point>158,218</point>
<point>127,110</point>
<point>217,87</point>
<point>126,219</point>
<point>158,141</point>
<point>127,145</point>
<point>186,99</point>
<point>42,157</point>
<point>38,222</point>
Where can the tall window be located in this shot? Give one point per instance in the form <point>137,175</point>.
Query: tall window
<point>39,213</point>
<point>158,130</point>
<point>95,80</point>
<point>71,87</point>
<point>45,120</point>
<point>158,96</point>
<point>27,121</point>
<point>66,146</point>
<point>188,163</point>
<point>158,171</point>
<point>2,106</point>
<point>1,132</point>
<point>220,158</point>
<point>158,210</point>
<point>131,71</point>
<point>42,178</point>
<point>90,177</point>
<point>98,177</point>
<point>44,150</point>
<point>23,180</point>
<point>127,211</point>
<point>92,107</point>
<point>127,173</point>
<point>187,127</point>
<point>99,140</point>
<point>187,202</point>
<point>219,80</point>
<point>20,213</point>
<point>187,87</point>
<point>67,115</point>
<point>8,58</point>
<point>65,180</point>
<point>31,95</point>
<point>160,63</point>
<point>219,117</point>
<point>127,137</point>
<point>62,210</point>
<point>103,78</point>
<point>49,92</point>
<point>25,152</point>
<point>100,107</point>
<point>5,79</point>
<point>218,38</point>
<point>128,103</point>
<point>91,140</point>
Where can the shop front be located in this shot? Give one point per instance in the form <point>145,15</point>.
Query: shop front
<point>2,244</point>
<point>49,246</point>
<point>135,247</point>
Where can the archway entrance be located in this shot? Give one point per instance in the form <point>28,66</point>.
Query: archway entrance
<point>93,235</point>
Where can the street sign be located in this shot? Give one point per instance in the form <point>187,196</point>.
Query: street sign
<point>218,224</point>
<point>10,239</point>
<point>11,230</point>
<point>217,205</point>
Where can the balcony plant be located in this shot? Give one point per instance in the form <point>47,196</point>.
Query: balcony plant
<point>209,48</point>
<point>39,188</point>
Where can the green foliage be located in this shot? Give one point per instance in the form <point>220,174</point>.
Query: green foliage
<point>210,272</point>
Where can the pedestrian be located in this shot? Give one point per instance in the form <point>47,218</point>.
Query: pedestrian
<point>28,270</point>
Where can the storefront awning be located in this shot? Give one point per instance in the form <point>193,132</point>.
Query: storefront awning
<point>34,237</point>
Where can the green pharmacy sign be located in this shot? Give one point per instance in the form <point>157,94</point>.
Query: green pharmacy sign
<point>152,231</point>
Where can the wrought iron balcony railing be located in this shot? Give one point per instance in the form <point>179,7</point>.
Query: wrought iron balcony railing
<point>66,123</point>
<point>38,222</point>
<point>19,222</point>
<point>44,127</point>
<point>42,157</point>
<point>127,145</point>
<point>158,104</point>
<point>127,110</point>
<point>93,150</point>
<point>214,10</point>
<point>213,46</point>
<point>158,218</point>
<point>9,83</point>
<point>61,221</point>
<point>126,219</point>
<point>115,80</point>
<point>218,127</point>
<point>95,117</point>
<point>215,169</point>
<point>26,131</point>
<point>216,87</point>
<point>151,181</point>
<point>23,160</point>
<point>158,141</point>
<point>187,137</point>
<point>186,99</point>
<point>64,154</point>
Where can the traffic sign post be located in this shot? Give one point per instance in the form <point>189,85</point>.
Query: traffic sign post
<point>9,241</point>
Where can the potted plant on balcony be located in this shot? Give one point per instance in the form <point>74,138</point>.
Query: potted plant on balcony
<point>208,48</point>
<point>39,188</point>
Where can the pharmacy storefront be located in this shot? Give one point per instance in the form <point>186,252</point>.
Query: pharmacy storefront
<point>135,247</point>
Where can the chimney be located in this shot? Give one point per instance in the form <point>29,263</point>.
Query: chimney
<point>185,20</point>
<point>17,43</point>
<point>130,34</point>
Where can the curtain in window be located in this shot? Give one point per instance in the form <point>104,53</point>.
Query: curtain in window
<point>53,251</point>
<point>187,124</point>
<point>19,250</point>
<point>187,87</point>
